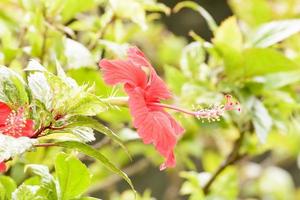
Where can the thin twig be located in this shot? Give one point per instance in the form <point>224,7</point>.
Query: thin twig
<point>232,158</point>
<point>45,145</point>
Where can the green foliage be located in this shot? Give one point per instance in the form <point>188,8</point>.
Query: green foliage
<point>71,181</point>
<point>73,176</point>
<point>97,155</point>
<point>7,186</point>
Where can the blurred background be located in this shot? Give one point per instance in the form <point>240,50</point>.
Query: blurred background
<point>249,48</point>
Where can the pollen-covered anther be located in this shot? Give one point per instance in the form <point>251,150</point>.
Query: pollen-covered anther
<point>15,123</point>
<point>211,114</point>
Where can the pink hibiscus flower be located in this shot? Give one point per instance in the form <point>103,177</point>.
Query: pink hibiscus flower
<point>144,87</point>
<point>145,90</point>
<point>13,123</point>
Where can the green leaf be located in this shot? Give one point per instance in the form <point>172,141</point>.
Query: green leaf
<point>274,32</point>
<point>40,88</point>
<point>96,125</point>
<point>255,62</point>
<point>69,98</point>
<point>85,134</point>
<point>254,12</point>
<point>25,192</point>
<point>193,55</point>
<point>12,87</point>
<point>73,176</point>
<point>262,120</point>
<point>208,18</point>
<point>228,177</point>
<point>48,184</point>
<point>229,34</point>
<point>78,55</point>
<point>265,61</point>
<point>130,9</point>
<point>73,7</point>
<point>34,65</point>
<point>86,149</point>
<point>281,79</point>
<point>7,186</point>
<point>10,146</point>
<point>86,104</point>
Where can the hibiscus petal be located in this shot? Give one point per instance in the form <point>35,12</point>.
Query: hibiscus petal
<point>157,89</point>
<point>2,167</point>
<point>136,56</point>
<point>5,110</point>
<point>28,131</point>
<point>154,126</point>
<point>122,71</point>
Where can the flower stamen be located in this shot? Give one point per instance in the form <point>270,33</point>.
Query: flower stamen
<point>211,114</point>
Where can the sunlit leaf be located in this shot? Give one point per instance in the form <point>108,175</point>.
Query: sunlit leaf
<point>73,176</point>
<point>88,150</point>
<point>10,146</point>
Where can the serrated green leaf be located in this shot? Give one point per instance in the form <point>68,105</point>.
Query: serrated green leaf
<point>88,150</point>
<point>69,98</point>
<point>85,104</point>
<point>12,87</point>
<point>25,192</point>
<point>73,176</point>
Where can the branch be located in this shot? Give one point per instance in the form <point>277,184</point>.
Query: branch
<point>232,158</point>
<point>45,145</point>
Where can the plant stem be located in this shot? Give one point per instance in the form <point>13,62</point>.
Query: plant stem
<point>117,101</point>
<point>232,158</point>
<point>45,145</point>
